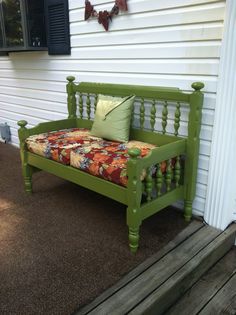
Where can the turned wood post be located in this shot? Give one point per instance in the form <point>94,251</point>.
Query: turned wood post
<point>164,117</point>
<point>71,99</point>
<point>23,133</point>
<point>142,114</point>
<point>194,126</point>
<point>153,115</point>
<point>134,198</point>
<point>177,119</point>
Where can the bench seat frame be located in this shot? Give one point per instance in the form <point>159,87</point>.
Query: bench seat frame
<point>168,148</point>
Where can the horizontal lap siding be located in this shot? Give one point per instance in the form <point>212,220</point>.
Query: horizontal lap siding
<point>165,43</point>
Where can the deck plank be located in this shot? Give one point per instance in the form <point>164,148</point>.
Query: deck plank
<point>192,302</point>
<point>192,228</point>
<point>224,302</point>
<point>160,299</point>
<point>135,291</point>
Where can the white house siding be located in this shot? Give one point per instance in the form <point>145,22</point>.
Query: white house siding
<point>163,43</point>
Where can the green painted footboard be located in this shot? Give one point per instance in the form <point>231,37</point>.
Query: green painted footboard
<point>174,160</point>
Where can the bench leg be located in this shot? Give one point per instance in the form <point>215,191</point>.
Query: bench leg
<point>133,222</point>
<point>188,210</point>
<point>133,239</point>
<point>27,174</point>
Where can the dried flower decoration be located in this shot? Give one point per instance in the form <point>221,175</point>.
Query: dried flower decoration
<point>104,17</point>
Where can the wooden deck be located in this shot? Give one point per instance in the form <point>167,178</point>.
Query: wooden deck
<point>155,285</point>
<point>214,293</point>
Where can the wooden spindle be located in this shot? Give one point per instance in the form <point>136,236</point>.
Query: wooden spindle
<point>159,179</point>
<point>168,175</point>
<point>81,105</point>
<point>88,105</point>
<point>142,114</point>
<point>177,171</point>
<point>164,117</point>
<point>153,115</point>
<point>148,186</point>
<point>177,119</point>
<point>95,102</point>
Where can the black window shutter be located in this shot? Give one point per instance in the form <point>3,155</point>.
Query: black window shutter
<point>58,28</point>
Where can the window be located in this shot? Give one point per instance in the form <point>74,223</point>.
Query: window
<point>1,37</point>
<point>12,23</point>
<point>34,25</point>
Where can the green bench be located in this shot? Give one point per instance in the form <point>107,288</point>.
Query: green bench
<point>153,106</point>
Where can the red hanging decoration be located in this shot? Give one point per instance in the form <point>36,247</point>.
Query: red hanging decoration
<point>104,17</point>
<point>122,5</point>
<point>88,10</point>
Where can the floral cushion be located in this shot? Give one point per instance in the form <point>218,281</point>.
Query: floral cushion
<point>57,145</point>
<point>107,159</point>
<point>96,156</point>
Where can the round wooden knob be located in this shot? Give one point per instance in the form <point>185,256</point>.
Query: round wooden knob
<point>70,78</point>
<point>134,152</point>
<point>22,123</point>
<point>197,86</point>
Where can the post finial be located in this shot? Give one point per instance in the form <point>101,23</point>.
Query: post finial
<point>22,123</point>
<point>197,86</point>
<point>134,152</point>
<point>70,78</point>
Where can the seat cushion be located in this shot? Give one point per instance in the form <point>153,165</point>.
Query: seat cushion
<point>107,159</point>
<point>57,145</point>
<point>96,156</point>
